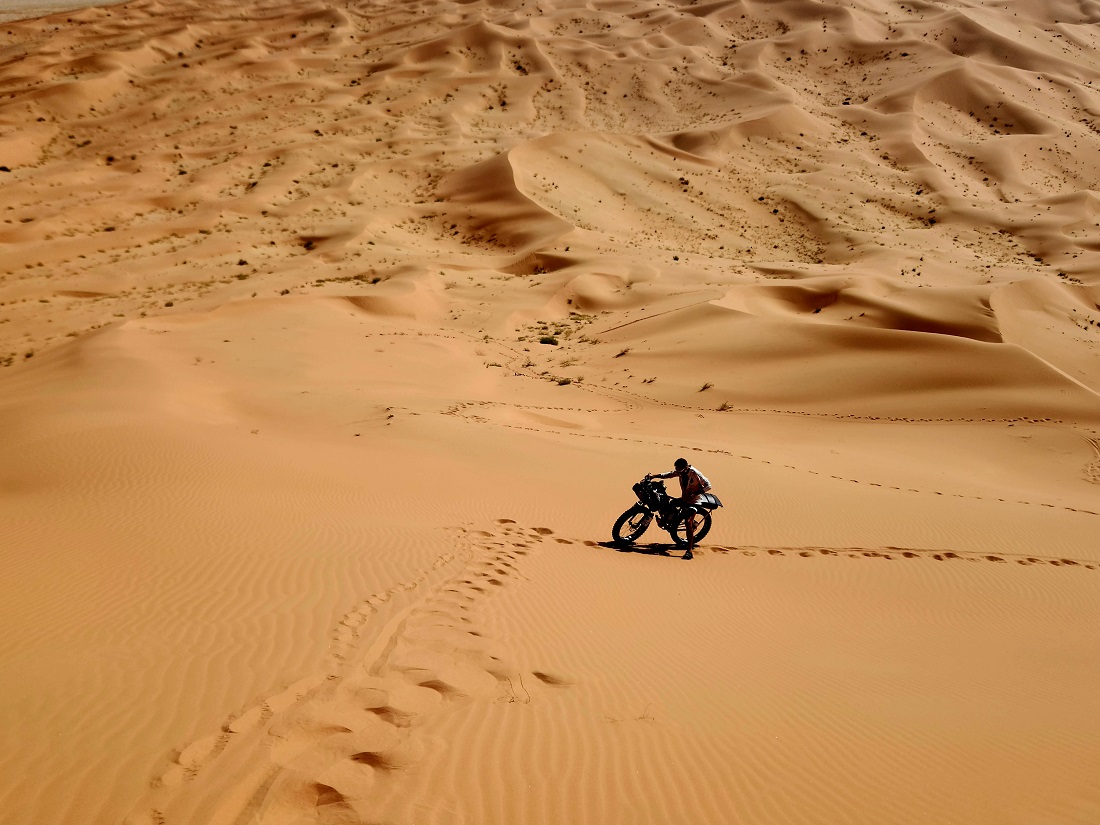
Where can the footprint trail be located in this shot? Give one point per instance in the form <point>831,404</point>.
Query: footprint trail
<point>323,749</point>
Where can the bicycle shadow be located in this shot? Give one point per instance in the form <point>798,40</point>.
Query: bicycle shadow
<point>649,549</point>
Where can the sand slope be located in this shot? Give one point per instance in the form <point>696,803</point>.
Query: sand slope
<point>332,337</point>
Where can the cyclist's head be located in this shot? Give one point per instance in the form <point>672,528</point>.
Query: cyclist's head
<point>681,464</point>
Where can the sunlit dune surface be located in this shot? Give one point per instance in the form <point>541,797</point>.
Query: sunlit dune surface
<point>333,338</point>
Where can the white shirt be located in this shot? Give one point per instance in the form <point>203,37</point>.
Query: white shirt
<point>692,482</point>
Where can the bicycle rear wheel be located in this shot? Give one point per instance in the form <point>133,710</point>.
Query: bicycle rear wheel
<point>701,523</point>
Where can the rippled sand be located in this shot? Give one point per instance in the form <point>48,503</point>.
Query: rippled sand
<point>333,337</point>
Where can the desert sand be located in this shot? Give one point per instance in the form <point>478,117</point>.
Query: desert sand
<point>333,336</point>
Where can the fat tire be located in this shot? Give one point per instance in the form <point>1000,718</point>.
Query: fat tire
<point>629,536</point>
<point>680,537</point>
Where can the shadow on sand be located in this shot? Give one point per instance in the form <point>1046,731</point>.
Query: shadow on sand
<point>651,549</point>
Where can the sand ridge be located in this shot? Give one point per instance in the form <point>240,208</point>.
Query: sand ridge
<point>333,335</point>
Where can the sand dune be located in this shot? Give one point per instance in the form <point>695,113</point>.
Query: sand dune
<point>333,336</point>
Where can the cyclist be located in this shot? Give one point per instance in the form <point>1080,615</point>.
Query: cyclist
<point>692,485</point>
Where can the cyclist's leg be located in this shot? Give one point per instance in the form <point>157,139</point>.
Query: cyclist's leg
<point>689,515</point>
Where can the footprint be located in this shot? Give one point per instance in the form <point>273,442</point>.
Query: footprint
<point>551,678</point>
<point>443,689</point>
<point>392,716</point>
<point>329,796</point>
<point>378,761</point>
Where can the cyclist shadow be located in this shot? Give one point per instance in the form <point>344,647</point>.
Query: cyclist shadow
<point>649,549</point>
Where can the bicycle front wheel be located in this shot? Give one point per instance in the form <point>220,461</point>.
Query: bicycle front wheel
<point>630,525</point>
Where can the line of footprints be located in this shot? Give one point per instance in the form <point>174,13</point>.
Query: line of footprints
<point>885,553</point>
<point>322,750</point>
<point>891,553</point>
<point>1091,472</point>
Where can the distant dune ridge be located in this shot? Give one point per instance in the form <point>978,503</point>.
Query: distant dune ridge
<point>333,335</point>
